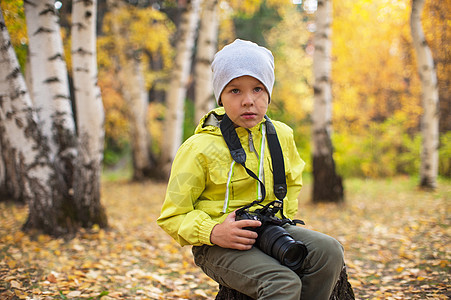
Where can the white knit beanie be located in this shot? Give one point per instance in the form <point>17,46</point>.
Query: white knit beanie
<point>242,58</point>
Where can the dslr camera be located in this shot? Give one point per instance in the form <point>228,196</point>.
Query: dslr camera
<point>273,239</point>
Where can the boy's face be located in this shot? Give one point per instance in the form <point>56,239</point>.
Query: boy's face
<point>245,101</point>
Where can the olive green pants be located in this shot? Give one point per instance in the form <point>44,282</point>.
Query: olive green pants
<point>260,276</point>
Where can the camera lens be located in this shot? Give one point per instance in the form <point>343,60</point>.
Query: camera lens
<point>278,243</point>
<point>292,254</point>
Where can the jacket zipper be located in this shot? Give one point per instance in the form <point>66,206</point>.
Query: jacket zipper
<point>251,143</point>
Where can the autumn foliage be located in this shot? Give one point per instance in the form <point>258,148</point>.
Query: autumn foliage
<point>376,90</point>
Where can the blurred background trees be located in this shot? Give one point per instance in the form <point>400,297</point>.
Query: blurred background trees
<point>376,91</point>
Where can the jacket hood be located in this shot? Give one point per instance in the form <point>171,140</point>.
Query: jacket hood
<point>210,122</point>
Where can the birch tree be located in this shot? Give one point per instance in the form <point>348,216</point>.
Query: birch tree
<point>135,94</point>
<point>50,94</point>
<point>130,67</point>
<point>327,185</point>
<point>429,98</point>
<point>90,114</point>
<point>26,172</point>
<point>206,48</point>
<point>177,89</point>
<point>50,88</point>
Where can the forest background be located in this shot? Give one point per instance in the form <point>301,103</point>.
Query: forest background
<point>395,235</point>
<point>375,85</point>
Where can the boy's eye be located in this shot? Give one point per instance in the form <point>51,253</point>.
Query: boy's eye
<point>235,91</point>
<point>258,89</point>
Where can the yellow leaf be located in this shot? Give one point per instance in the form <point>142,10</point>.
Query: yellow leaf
<point>444,263</point>
<point>18,236</point>
<point>20,294</point>
<point>129,246</point>
<point>354,282</point>
<point>201,293</point>
<point>43,238</point>
<point>74,294</point>
<point>11,263</point>
<point>51,278</point>
<point>79,273</point>
<point>15,284</point>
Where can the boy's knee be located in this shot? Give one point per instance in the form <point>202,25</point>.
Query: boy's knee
<point>284,283</point>
<point>334,249</point>
<point>328,254</point>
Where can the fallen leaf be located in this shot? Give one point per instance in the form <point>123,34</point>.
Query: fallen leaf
<point>74,294</point>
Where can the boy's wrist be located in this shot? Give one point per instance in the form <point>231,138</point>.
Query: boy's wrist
<point>205,231</point>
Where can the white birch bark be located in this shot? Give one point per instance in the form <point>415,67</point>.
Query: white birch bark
<point>50,89</point>
<point>24,152</point>
<point>429,98</point>
<point>131,76</point>
<point>90,113</point>
<point>322,108</point>
<point>327,185</point>
<point>178,85</point>
<point>3,188</point>
<point>204,99</point>
<point>135,94</point>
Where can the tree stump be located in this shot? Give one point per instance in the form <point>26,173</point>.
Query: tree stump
<point>342,291</point>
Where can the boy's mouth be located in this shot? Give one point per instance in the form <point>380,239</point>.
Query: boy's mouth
<point>248,115</point>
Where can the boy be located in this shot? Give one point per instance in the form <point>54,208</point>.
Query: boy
<point>207,186</point>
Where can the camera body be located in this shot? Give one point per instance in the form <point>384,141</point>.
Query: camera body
<point>273,239</point>
<point>266,215</point>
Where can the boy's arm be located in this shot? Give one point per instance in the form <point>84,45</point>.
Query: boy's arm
<point>178,217</point>
<point>190,226</point>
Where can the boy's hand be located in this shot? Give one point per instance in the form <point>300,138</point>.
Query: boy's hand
<point>230,233</point>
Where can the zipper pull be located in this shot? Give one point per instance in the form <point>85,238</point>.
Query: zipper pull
<point>251,141</point>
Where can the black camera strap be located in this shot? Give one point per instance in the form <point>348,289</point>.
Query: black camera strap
<point>275,150</point>
<point>239,155</point>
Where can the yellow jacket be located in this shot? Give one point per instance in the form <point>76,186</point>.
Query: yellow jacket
<point>200,192</point>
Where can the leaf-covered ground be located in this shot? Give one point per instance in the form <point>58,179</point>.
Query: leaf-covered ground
<point>397,241</point>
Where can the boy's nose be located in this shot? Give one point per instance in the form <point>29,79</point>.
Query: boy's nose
<point>248,99</point>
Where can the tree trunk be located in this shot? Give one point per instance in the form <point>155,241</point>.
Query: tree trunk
<point>135,95</point>
<point>177,89</point>
<point>206,48</point>
<point>131,75</point>
<point>51,98</point>
<point>342,291</point>
<point>3,187</point>
<point>90,115</point>
<point>429,97</point>
<point>327,185</point>
<point>50,88</point>
<point>24,151</point>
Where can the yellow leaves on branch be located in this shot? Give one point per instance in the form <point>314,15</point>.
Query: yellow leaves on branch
<point>145,32</point>
<point>247,7</point>
<point>373,63</point>
<point>293,65</point>
<point>13,13</point>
